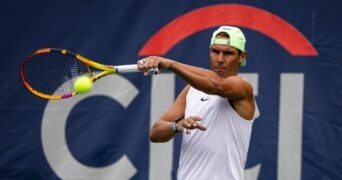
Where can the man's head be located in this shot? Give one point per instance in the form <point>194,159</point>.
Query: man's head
<point>227,50</point>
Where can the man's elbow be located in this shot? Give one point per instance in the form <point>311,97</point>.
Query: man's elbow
<point>153,137</point>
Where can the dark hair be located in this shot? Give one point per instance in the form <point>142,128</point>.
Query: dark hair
<point>239,51</point>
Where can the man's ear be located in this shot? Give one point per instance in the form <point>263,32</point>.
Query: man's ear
<point>243,56</point>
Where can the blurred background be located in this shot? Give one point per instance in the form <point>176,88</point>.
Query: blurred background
<point>294,63</point>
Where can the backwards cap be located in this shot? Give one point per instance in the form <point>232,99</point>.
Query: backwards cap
<point>236,39</point>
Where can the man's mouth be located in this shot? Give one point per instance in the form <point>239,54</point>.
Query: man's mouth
<point>220,68</point>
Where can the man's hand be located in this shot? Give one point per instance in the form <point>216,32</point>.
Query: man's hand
<point>190,123</point>
<point>152,64</point>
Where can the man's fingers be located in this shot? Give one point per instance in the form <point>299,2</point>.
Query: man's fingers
<point>149,65</point>
<point>192,122</point>
<point>201,127</point>
<point>196,118</point>
<point>187,124</point>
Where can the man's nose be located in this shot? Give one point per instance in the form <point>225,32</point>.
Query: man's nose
<point>220,58</point>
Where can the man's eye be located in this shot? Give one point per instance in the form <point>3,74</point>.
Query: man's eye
<point>228,53</point>
<point>215,51</point>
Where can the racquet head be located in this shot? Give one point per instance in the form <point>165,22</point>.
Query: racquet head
<point>50,73</point>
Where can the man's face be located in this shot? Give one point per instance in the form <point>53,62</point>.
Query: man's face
<point>225,60</point>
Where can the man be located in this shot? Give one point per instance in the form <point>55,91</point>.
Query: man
<point>216,109</point>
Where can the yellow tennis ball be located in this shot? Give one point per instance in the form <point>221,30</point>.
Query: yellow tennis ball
<point>83,84</point>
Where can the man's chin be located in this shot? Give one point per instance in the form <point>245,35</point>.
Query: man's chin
<point>222,73</point>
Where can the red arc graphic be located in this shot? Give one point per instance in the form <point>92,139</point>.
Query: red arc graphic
<point>229,14</point>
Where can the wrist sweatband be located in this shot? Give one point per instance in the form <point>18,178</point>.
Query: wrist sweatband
<point>174,124</point>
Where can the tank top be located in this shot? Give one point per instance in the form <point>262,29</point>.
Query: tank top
<point>220,152</point>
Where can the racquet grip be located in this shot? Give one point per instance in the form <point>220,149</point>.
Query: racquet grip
<point>127,68</point>
<point>134,68</point>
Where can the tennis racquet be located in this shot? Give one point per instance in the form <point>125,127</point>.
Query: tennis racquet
<point>50,72</point>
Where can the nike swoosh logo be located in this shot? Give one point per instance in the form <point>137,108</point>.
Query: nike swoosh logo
<point>204,98</point>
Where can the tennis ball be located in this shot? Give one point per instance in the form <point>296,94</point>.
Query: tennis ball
<point>83,84</point>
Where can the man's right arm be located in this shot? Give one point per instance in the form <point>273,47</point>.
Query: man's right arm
<point>161,130</point>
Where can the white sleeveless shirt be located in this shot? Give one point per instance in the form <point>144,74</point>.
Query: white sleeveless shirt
<point>220,152</point>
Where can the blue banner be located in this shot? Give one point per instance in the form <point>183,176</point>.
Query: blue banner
<point>294,64</point>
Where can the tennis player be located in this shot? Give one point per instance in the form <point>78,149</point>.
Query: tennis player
<point>216,111</point>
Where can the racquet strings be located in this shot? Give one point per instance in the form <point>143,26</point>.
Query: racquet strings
<point>53,73</point>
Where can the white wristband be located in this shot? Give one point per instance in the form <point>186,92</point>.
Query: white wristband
<point>174,124</point>
<point>174,127</point>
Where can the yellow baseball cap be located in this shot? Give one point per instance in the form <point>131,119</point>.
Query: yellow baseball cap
<point>236,39</point>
